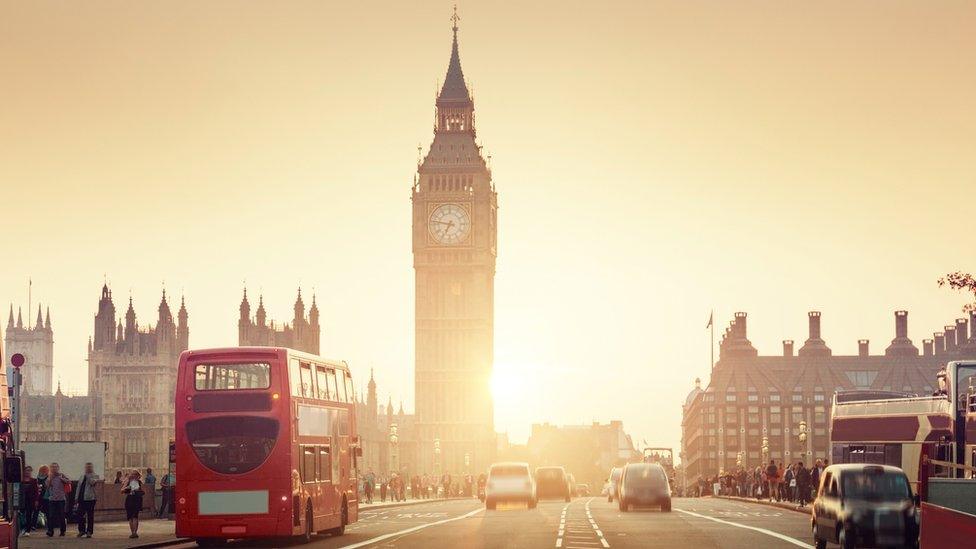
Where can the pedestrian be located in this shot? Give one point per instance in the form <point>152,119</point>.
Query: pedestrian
<point>383,488</point>
<point>58,486</point>
<point>86,499</point>
<point>367,490</point>
<point>168,487</point>
<point>29,495</point>
<point>118,477</point>
<point>771,471</point>
<point>802,484</point>
<point>133,491</point>
<point>150,477</point>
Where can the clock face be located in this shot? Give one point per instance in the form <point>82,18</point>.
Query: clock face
<point>449,224</point>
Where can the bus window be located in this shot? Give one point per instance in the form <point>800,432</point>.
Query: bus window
<point>335,460</point>
<point>343,423</point>
<point>231,377</point>
<point>294,377</point>
<point>325,465</point>
<point>308,387</point>
<point>341,386</point>
<point>324,387</point>
<point>332,384</point>
<point>349,389</point>
<point>308,464</point>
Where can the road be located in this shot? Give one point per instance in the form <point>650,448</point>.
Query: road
<point>584,523</point>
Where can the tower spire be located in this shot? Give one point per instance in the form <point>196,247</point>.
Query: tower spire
<point>454,92</point>
<point>10,319</point>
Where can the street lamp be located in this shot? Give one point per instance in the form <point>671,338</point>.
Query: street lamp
<point>394,453</point>
<point>802,435</point>
<point>437,456</point>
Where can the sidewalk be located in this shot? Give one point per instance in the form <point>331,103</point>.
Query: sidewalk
<point>781,504</point>
<point>108,535</point>
<point>113,535</point>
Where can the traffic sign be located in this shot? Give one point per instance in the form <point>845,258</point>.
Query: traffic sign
<point>17,360</point>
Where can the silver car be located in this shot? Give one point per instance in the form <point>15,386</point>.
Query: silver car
<point>510,482</point>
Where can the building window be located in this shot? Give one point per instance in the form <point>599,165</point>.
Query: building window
<point>709,398</point>
<point>730,419</point>
<point>797,416</point>
<point>753,397</point>
<point>730,409</point>
<point>797,397</point>
<point>820,431</point>
<point>774,397</point>
<point>775,431</point>
<point>818,397</point>
<point>753,432</point>
<point>709,418</point>
<point>862,380</point>
<point>820,415</point>
<point>730,397</point>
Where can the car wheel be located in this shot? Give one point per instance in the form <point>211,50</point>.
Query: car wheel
<point>818,542</point>
<point>844,539</point>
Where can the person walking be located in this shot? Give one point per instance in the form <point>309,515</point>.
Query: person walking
<point>86,498</point>
<point>771,471</point>
<point>29,495</point>
<point>383,487</point>
<point>168,487</point>
<point>58,486</point>
<point>802,485</point>
<point>151,481</point>
<point>133,491</point>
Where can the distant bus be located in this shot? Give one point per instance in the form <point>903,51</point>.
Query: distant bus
<point>266,445</point>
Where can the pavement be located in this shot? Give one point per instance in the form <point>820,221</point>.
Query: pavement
<point>584,523</point>
<point>107,535</point>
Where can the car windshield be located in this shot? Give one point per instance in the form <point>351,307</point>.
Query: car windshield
<point>509,471</point>
<point>643,475</point>
<point>876,486</point>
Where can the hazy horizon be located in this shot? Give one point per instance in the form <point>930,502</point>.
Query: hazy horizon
<point>654,161</point>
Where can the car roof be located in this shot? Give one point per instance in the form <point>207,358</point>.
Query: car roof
<point>510,464</point>
<point>859,467</point>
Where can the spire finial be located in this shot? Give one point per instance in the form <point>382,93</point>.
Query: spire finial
<point>454,20</point>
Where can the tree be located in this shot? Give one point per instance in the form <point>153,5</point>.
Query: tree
<point>964,282</point>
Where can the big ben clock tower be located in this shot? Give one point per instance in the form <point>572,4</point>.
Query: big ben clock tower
<point>454,230</point>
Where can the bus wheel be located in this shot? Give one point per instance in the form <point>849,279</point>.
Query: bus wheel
<point>344,520</point>
<point>211,542</point>
<point>307,536</point>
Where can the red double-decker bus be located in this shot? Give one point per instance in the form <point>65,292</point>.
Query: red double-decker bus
<point>266,445</point>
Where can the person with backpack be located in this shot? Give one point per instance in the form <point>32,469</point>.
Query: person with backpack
<point>86,500</point>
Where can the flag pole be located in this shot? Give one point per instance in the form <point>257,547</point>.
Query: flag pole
<point>711,348</point>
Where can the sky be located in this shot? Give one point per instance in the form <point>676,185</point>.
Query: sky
<point>654,160</point>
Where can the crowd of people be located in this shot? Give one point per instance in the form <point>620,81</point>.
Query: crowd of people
<point>776,481</point>
<point>52,499</point>
<point>399,487</point>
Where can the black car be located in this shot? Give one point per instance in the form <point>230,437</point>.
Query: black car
<point>860,505</point>
<point>550,483</point>
<point>644,485</point>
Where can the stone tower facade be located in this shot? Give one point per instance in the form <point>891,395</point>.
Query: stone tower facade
<point>454,250</point>
<point>132,374</point>
<point>302,334</point>
<point>36,343</point>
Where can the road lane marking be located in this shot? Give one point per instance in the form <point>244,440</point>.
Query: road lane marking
<point>777,535</point>
<point>378,539</point>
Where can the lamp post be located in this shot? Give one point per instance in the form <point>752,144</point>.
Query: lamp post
<point>437,457</point>
<point>802,436</point>
<point>394,450</point>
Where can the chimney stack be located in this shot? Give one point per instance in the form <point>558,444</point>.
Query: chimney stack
<point>939,343</point>
<point>901,324</point>
<point>740,323</point>
<point>927,347</point>
<point>950,339</point>
<point>901,345</point>
<point>862,347</point>
<point>962,332</point>
<point>787,347</point>
<point>814,321</point>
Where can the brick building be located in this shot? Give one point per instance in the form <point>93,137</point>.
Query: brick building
<point>750,396</point>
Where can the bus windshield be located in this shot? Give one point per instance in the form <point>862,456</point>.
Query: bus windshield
<point>232,444</point>
<point>232,377</point>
